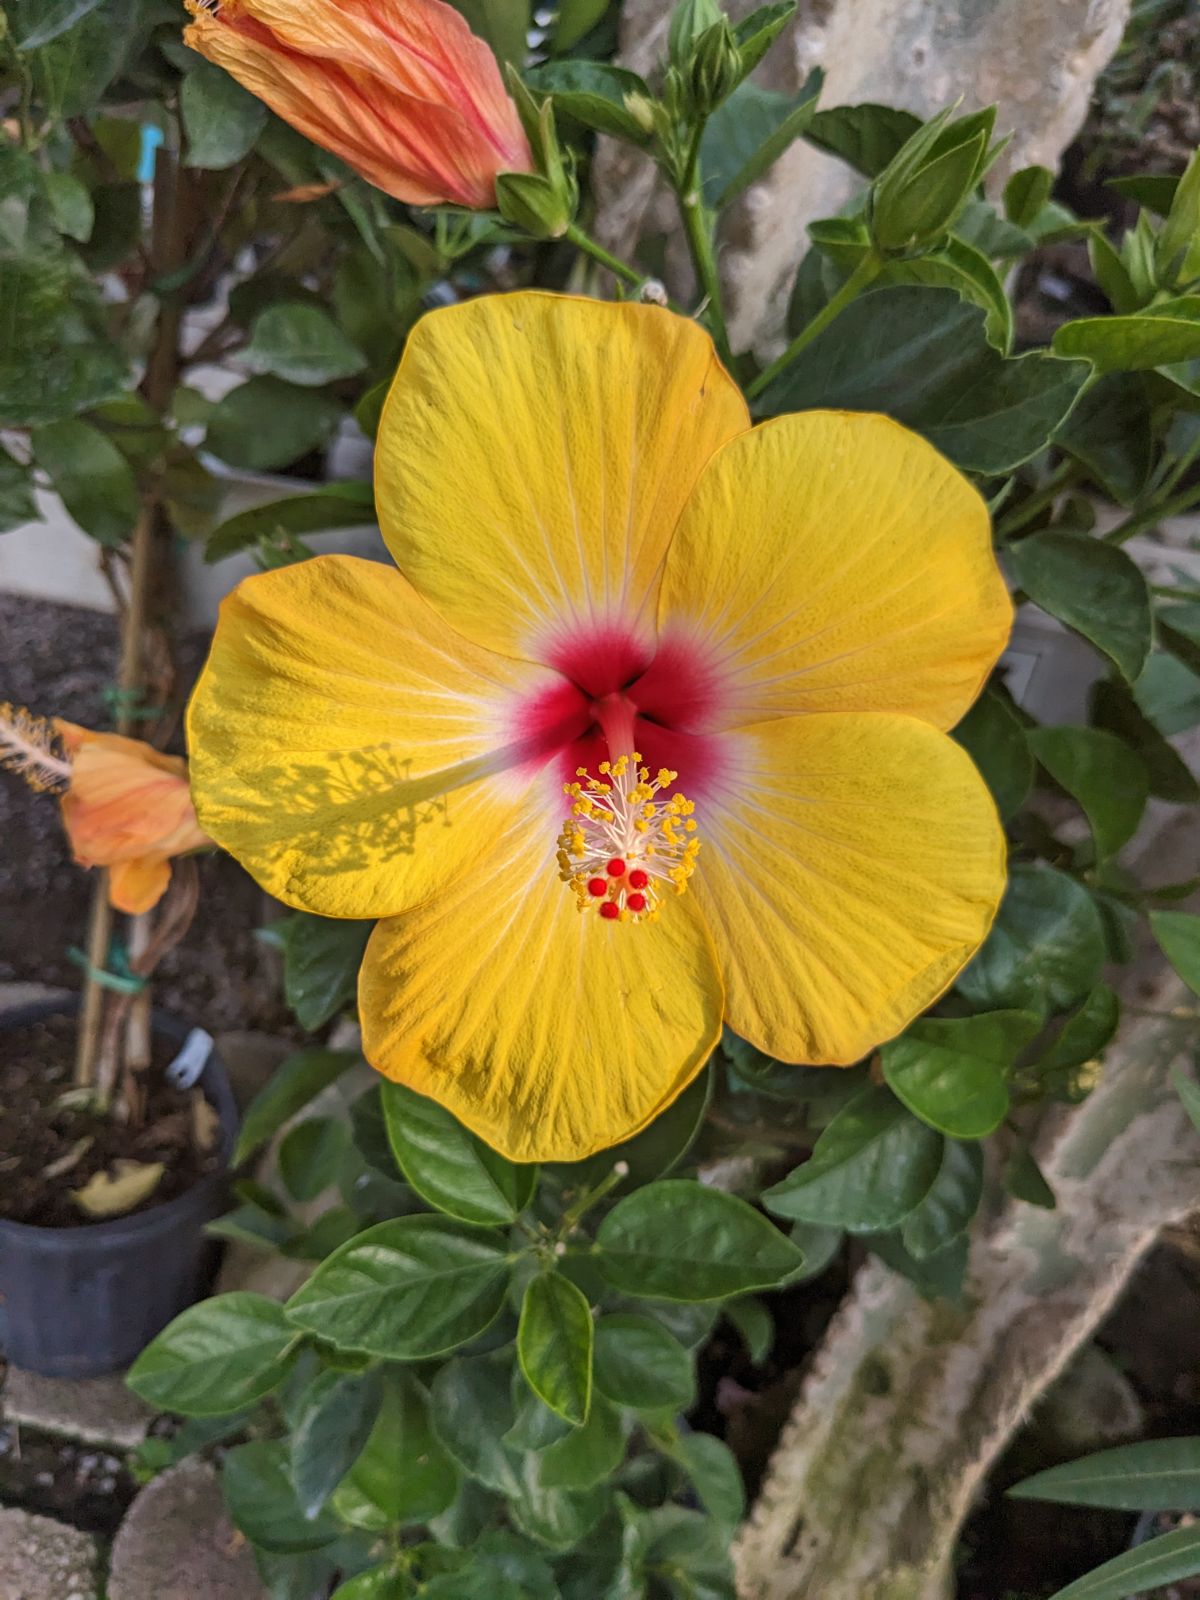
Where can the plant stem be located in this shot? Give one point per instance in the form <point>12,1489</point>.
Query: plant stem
<point>697,225</point>
<point>1045,496</point>
<point>574,1214</point>
<point>1153,514</point>
<point>867,270</point>
<point>590,247</point>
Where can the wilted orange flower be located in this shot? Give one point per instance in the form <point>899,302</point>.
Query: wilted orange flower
<point>127,807</point>
<point>401,90</point>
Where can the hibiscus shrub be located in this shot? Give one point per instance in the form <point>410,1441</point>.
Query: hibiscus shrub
<point>482,1385</point>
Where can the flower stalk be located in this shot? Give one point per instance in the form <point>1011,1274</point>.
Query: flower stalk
<point>864,274</point>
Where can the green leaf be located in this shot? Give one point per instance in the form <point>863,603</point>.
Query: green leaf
<point>72,70</point>
<point>381,1583</point>
<point>947,1209</point>
<point>715,1474</point>
<point>575,19</point>
<point>938,1276</point>
<point>992,735</point>
<point>1154,190</point>
<point>1108,779</point>
<point>747,134</point>
<point>448,1165</point>
<point>337,505</point>
<point>472,1411</point>
<point>1045,949</point>
<point>1177,248</point>
<point>961,267</point>
<point>1178,935</point>
<point>950,1071</point>
<point>1147,1566</point>
<point>595,93</point>
<point>55,357</point>
<point>71,205</point>
<point>1188,1091</point>
<point>588,1455</point>
<point>1093,587</point>
<point>554,1345</point>
<point>332,1424</point>
<point>405,1290</point>
<point>302,344</point>
<point>1155,337</point>
<point>1024,1181</point>
<point>1025,193</point>
<point>290,1087</point>
<point>17,505</point>
<point>266,423</point>
<point>981,225</point>
<point>871,1166</point>
<point>220,118</point>
<point>820,1246</point>
<point>93,478</point>
<point>754,1322</point>
<point>1114,707</point>
<point>116,225</point>
<point>1109,433</point>
<point>654,1152</point>
<point>642,1366</point>
<point>218,1356</point>
<point>51,18</point>
<point>263,1504</point>
<point>1084,1034</point>
<point>1156,1475</point>
<point>503,23</point>
<point>402,1473</point>
<point>866,136</point>
<point>311,1155</point>
<point>321,958</point>
<point>922,356</point>
<point>678,1240</point>
<point>688,1546</point>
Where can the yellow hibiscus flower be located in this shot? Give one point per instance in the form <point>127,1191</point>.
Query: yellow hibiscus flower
<point>763,631</point>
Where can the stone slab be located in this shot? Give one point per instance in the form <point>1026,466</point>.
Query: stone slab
<point>45,1560</point>
<point>97,1410</point>
<point>177,1543</point>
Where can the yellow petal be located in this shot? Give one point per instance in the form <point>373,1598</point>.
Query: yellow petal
<point>347,747</point>
<point>852,865</point>
<point>549,1032</point>
<point>534,456</point>
<point>834,561</point>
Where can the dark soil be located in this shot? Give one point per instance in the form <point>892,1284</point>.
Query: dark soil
<point>82,1484</point>
<point>38,1130</point>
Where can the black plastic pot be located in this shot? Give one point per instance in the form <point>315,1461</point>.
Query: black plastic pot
<point>79,1302</point>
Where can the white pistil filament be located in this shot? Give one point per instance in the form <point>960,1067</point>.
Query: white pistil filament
<point>624,848</point>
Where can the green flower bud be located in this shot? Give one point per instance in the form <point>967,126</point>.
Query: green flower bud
<point>918,196</point>
<point>715,68</point>
<point>689,20</point>
<point>533,204</point>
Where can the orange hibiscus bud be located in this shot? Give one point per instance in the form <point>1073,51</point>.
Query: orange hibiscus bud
<point>127,807</point>
<point>401,90</point>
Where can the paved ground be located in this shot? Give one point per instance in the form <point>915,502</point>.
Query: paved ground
<point>177,1543</point>
<point>45,1560</point>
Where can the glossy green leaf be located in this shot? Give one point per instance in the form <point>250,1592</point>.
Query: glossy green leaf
<point>291,1086</point>
<point>220,118</point>
<point>1045,949</point>
<point>337,505</point>
<point>960,266</point>
<point>266,423</point>
<point>93,478</point>
<point>1095,588</point>
<point>381,1583</point>
<point>597,94</point>
<point>262,1500</point>
<point>554,1345</point>
<point>1147,1566</point>
<point>948,1208</point>
<point>1109,432</point>
<point>471,1409</point>
<point>866,136</point>
<point>678,1240</point>
<point>402,1473</point>
<point>587,1455</point>
<point>321,958</point>
<point>642,1366</point>
<point>1024,1180</point>
<point>992,735</point>
<point>558,1518</point>
<point>1156,1475</point>
<point>985,411</point>
<point>820,1246</point>
<point>328,1432</point>
<point>1178,935</point>
<point>302,344</point>
<point>451,1167</point>
<point>72,69</point>
<point>716,1477</point>
<point>405,1290</point>
<point>1084,1034</point>
<point>1108,779</point>
<point>49,19</point>
<point>503,23</point>
<point>216,1357</point>
<point>55,359</point>
<point>311,1155</point>
<point>754,1323</point>
<point>939,1276</point>
<point>1154,190</point>
<point>871,1166</point>
<point>949,1071</point>
<point>687,1545</point>
<point>746,135</point>
<point>17,505</point>
<point>1154,337</point>
<point>575,19</point>
<point>1114,707</point>
<point>71,204</point>
<point>1025,193</point>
